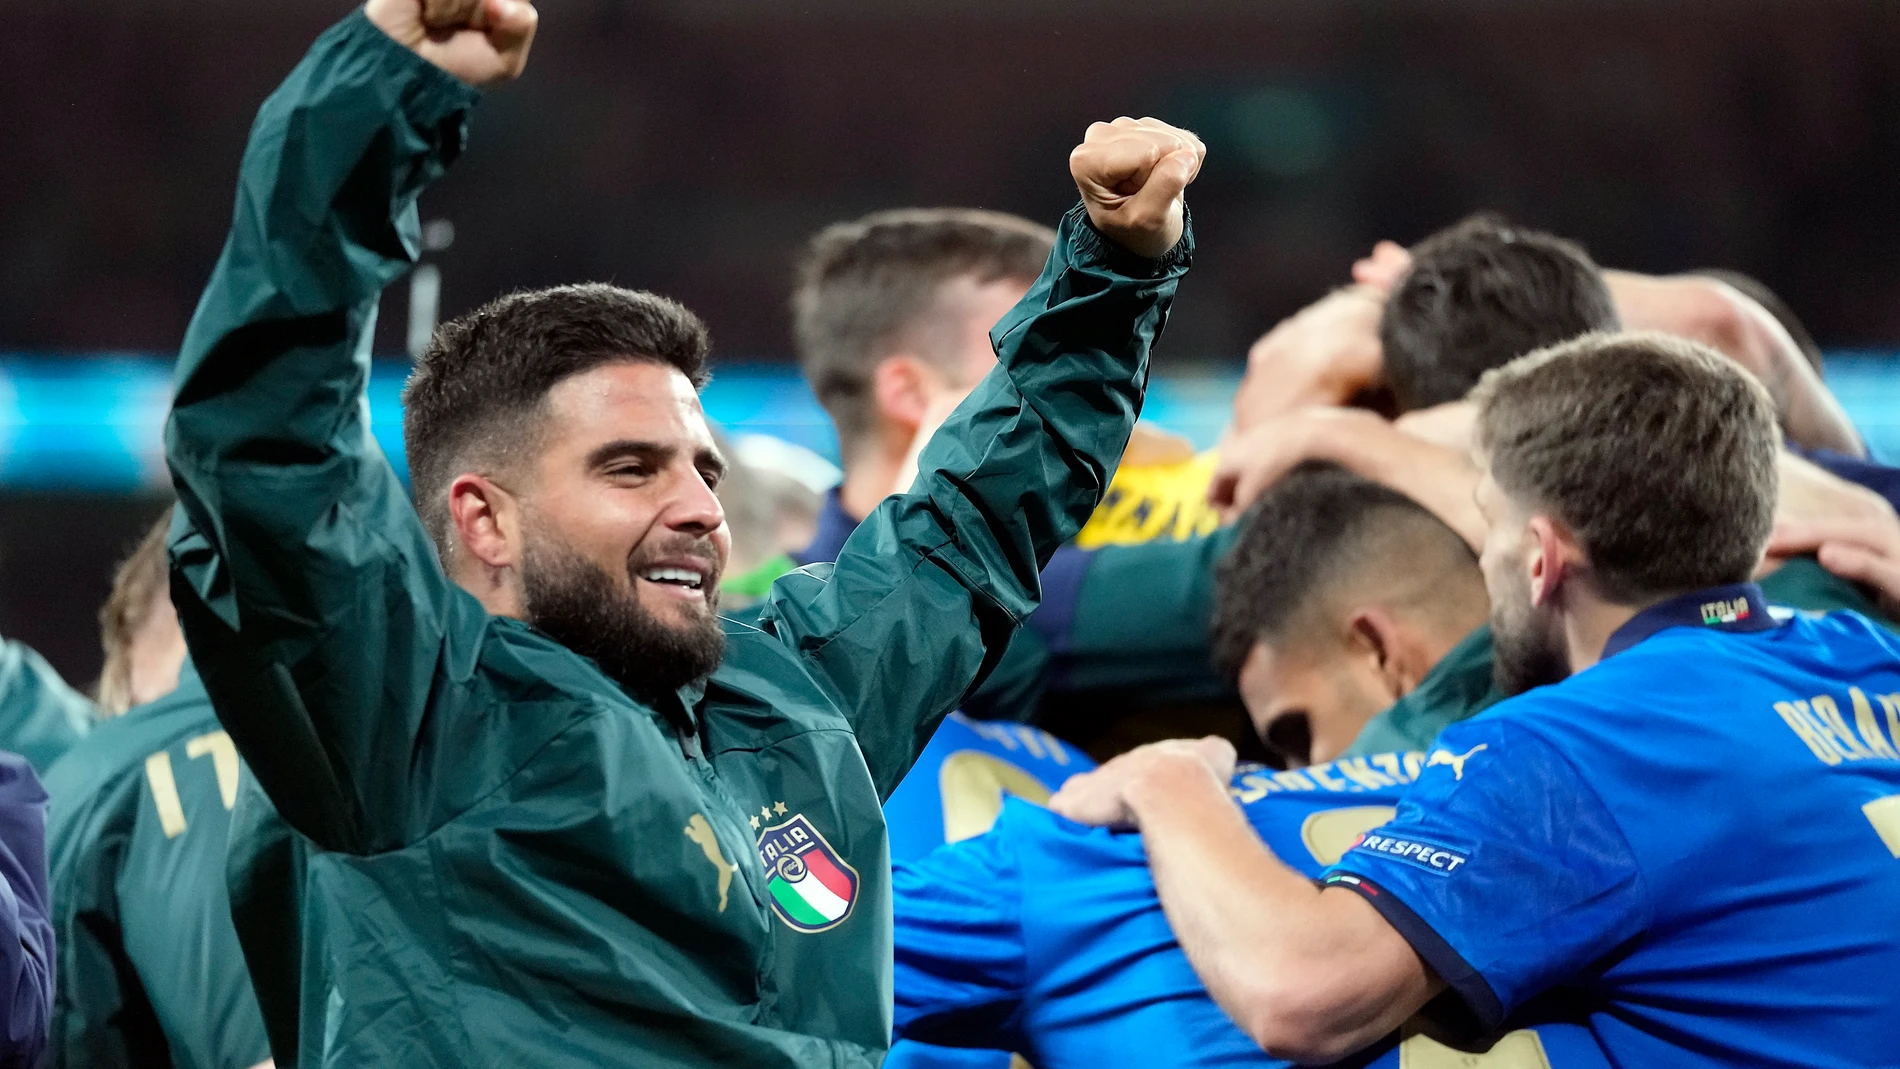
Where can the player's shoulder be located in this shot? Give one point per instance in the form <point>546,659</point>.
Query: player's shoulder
<point>119,747</point>
<point>1020,744</point>
<point>1841,629</point>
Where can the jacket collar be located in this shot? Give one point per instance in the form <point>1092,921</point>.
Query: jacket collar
<point>1738,607</point>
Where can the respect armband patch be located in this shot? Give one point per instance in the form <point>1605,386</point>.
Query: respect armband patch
<point>1438,858</point>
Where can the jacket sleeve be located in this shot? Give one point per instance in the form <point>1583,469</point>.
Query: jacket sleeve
<point>1134,620</point>
<point>26,927</point>
<point>927,591</point>
<point>311,597</point>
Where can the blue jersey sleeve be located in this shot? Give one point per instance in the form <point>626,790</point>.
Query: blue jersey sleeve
<point>1503,868</point>
<point>959,959</point>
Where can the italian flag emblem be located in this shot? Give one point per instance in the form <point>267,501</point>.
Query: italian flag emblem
<point>1716,613</point>
<point>812,888</point>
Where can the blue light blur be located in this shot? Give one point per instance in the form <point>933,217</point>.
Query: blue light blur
<point>94,424</point>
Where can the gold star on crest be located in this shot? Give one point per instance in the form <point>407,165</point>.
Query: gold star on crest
<point>779,807</point>
<point>755,823</point>
<point>765,813</point>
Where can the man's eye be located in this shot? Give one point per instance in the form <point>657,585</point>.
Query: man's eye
<point>627,471</point>
<point>713,479</point>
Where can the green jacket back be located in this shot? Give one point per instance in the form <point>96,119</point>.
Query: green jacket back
<point>150,973</point>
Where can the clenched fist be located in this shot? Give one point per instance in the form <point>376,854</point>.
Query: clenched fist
<point>1132,173</point>
<point>482,42</point>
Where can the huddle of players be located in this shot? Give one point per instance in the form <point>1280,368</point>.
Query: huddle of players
<point>1349,610</point>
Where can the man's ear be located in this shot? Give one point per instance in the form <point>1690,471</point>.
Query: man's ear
<point>1552,559</point>
<point>486,520</point>
<point>902,387</point>
<point>1375,634</point>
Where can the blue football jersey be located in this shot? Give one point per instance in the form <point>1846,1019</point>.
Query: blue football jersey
<point>1047,937</point>
<point>956,788</point>
<point>954,792</point>
<point>1698,837</point>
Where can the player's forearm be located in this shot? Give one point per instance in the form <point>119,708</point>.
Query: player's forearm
<point>275,360</point>
<point>1269,946</point>
<point>1440,479</point>
<point>1814,418</point>
<point>1727,320</point>
<point>1810,415</point>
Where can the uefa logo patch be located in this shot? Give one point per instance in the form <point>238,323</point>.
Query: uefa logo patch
<point>812,887</point>
<point>1435,858</point>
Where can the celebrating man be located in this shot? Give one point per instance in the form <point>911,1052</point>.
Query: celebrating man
<point>542,809</point>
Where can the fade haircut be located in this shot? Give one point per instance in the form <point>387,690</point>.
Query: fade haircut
<point>1322,537</point>
<point>1480,294</point>
<point>1656,452</point>
<point>477,394</point>
<point>872,287</point>
<point>139,585</point>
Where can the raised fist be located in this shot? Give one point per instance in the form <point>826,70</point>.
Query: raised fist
<point>1131,173</point>
<point>482,42</point>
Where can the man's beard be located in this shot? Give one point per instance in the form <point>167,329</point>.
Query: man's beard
<point>1524,652</point>
<point>577,603</point>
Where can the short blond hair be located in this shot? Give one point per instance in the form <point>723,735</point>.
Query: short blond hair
<point>141,582</point>
<point>1658,453</point>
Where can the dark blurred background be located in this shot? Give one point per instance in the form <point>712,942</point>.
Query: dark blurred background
<point>689,146</point>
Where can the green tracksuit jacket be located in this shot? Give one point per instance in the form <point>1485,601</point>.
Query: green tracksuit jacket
<point>150,973</point>
<point>41,715</point>
<point>494,856</point>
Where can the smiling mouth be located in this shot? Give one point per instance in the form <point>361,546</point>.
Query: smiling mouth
<point>680,577</point>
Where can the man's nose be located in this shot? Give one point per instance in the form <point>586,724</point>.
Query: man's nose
<point>695,507</point>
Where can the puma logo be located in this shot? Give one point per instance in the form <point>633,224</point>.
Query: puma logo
<point>701,832</point>
<point>1457,761</point>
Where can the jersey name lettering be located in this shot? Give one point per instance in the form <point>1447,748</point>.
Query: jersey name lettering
<point>1819,722</point>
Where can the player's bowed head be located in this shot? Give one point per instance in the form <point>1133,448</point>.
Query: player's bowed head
<point>482,42</point>
<point>1132,173</point>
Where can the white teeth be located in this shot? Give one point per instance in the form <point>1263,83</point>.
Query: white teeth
<point>683,576</point>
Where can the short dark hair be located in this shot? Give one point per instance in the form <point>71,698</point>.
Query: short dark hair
<point>1322,534</point>
<point>1656,452</point>
<point>1480,294</point>
<point>475,392</point>
<point>868,286</point>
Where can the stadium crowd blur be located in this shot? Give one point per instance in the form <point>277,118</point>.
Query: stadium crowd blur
<point>1308,592</point>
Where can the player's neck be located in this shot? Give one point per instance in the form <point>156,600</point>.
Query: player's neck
<point>1589,621</point>
<point>869,477</point>
<point>498,589</point>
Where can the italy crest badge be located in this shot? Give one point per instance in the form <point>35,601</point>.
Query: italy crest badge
<point>812,887</point>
